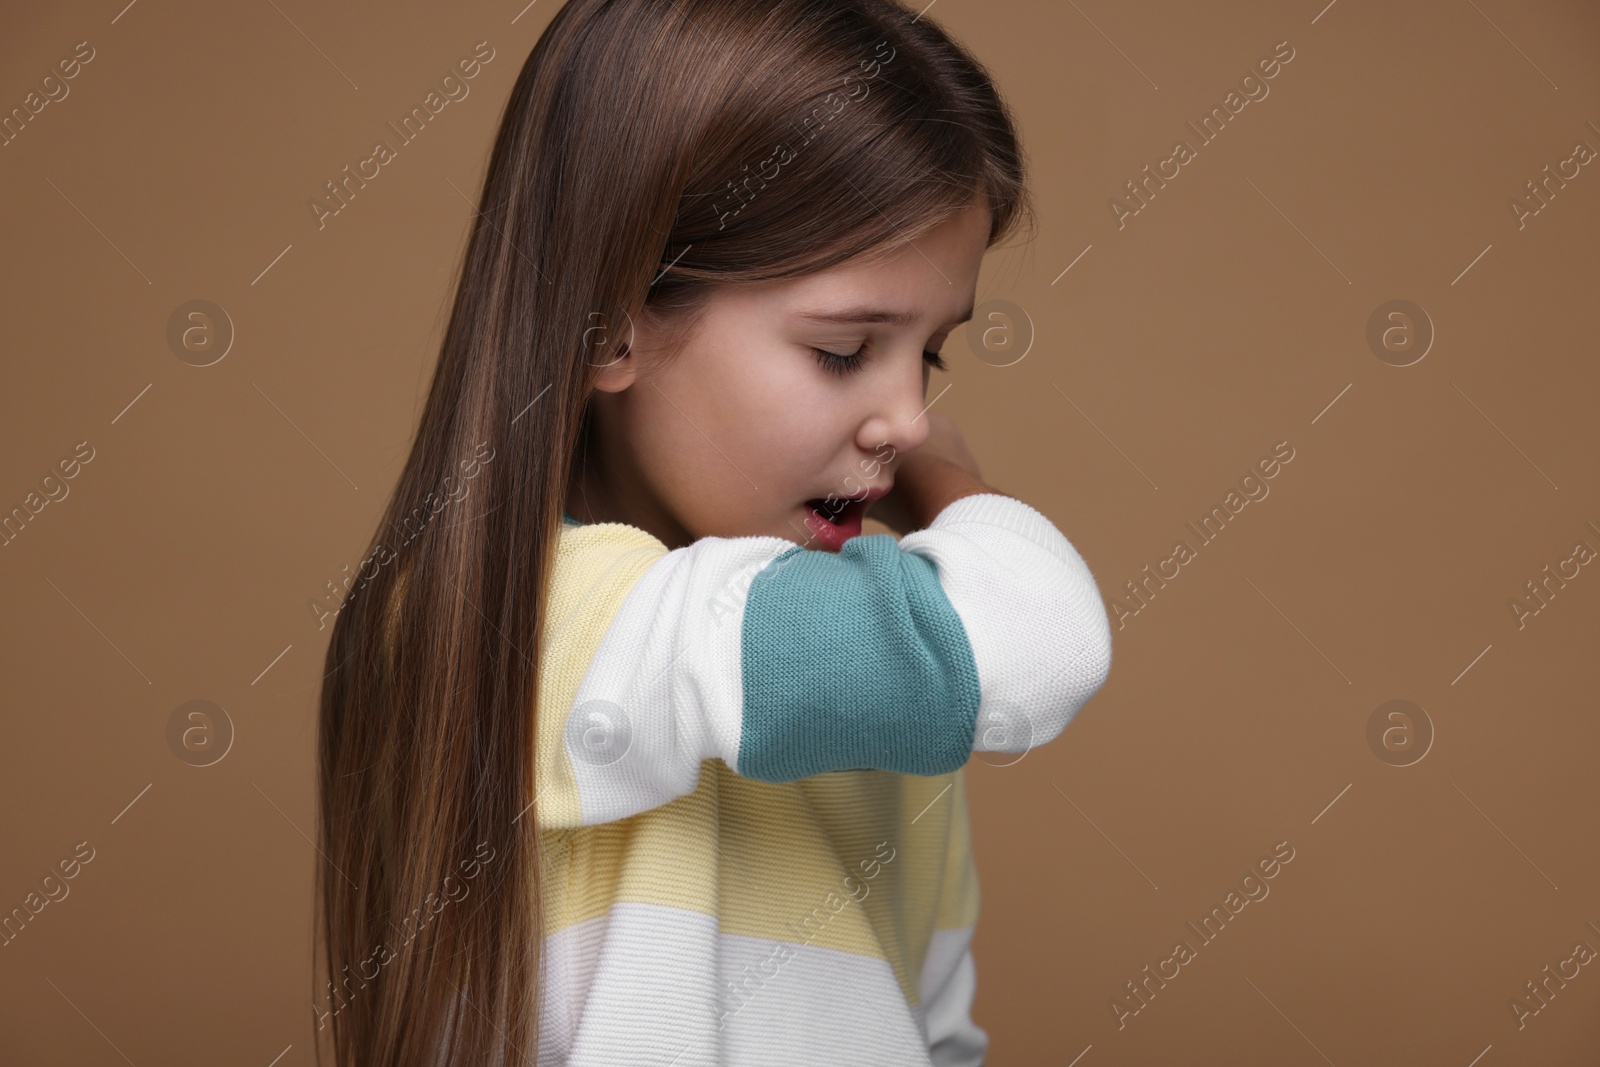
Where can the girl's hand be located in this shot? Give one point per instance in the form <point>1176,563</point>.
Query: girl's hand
<point>941,470</point>
<point>945,442</point>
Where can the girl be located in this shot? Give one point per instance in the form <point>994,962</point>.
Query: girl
<point>632,750</point>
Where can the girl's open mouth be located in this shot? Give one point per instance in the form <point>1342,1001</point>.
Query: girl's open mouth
<point>835,521</point>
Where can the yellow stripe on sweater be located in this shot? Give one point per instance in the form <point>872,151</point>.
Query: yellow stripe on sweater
<point>592,571</point>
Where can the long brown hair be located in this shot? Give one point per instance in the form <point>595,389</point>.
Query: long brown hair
<point>649,150</point>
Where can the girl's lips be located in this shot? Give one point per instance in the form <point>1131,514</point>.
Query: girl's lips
<point>845,516</point>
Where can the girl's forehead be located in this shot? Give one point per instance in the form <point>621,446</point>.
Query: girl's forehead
<point>931,277</point>
<point>894,296</point>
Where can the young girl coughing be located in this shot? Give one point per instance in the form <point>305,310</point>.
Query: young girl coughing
<point>642,753</point>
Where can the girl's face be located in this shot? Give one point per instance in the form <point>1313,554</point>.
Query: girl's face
<point>734,436</point>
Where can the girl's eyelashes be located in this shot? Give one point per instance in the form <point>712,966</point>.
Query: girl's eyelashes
<point>842,365</point>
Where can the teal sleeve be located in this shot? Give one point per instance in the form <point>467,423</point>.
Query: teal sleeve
<point>854,660</point>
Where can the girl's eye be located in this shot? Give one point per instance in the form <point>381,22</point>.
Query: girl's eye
<point>838,365</point>
<point>834,363</point>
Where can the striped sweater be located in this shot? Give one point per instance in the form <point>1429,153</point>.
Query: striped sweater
<point>751,801</point>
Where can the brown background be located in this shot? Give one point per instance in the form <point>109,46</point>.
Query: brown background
<point>1227,316</point>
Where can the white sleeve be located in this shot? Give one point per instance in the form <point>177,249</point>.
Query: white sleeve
<point>1032,612</point>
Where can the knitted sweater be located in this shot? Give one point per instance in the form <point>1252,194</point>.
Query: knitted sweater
<point>751,799</point>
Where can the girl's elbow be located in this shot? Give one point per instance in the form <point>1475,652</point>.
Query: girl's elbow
<point>1097,662</point>
<point>1064,703</point>
<point>1083,664</point>
<point>1061,661</point>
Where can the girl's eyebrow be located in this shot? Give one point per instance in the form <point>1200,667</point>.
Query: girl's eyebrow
<point>864,313</point>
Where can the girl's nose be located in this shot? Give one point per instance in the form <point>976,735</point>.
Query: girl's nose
<point>899,415</point>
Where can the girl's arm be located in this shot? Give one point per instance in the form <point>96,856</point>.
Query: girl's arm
<point>982,632</point>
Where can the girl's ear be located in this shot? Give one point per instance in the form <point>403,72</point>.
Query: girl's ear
<point>620,373</point>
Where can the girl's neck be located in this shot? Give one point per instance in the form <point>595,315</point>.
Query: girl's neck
<point>594,496</point>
